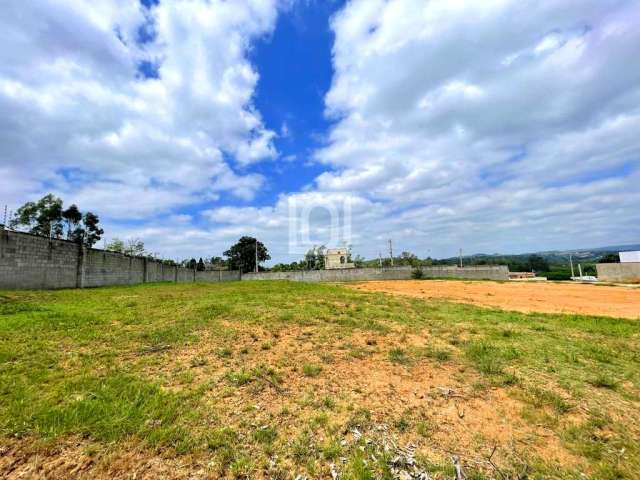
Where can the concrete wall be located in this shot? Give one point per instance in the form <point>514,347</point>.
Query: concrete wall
<point>217,276</point>
<point>30,261</point>
<point>27,261</point>
<point>618,272</point>
<point>499,272</point>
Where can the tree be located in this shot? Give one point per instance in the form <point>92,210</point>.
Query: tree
<point>218,263</point>
<point>242,255</point>
<point>192,264</point>
<point>133,247</point>
<point>610,258</point>
<point>47,218</point>
<point>43,217</point>
<point>91,232</point>
<point>200,267</point>
<point>537,263</point>
<point>116,245</point>
<point>408,258</point>
<point>315,257</point>
<point>358,261</point>
<point>72,216</point>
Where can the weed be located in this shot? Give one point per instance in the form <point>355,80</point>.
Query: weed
<point>239,377</point>
<point>604,381</point>
<point>398,355</point>
<point>225,352</point>
<point>265,434</point>
<point>311,369</point>
<point>331,448</point>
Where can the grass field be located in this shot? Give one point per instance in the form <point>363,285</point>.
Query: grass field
<point>277,379</point>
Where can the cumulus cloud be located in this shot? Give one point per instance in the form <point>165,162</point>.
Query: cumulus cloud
<point>502,125</point>
<point>128,110</point>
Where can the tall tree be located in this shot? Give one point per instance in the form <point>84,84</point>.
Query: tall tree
<point>72,217</point>
<point>91,232</point>
<point>242,255</point>
<point>43,217</point>
<point>200,267</point>
<point>315,257</point>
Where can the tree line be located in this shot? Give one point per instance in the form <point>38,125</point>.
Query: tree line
<point>48,217</point>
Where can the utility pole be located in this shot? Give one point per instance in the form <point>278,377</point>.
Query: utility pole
<point>380,258</point>
<point>391,251</point>
<point>460,258</point>
<point>256,255</point>
<point>580,271</point>
<point>571,262</point>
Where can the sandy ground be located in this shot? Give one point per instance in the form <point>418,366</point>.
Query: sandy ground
<point>552,297</point>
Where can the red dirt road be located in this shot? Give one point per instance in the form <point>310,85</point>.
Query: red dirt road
<point>551,297</point>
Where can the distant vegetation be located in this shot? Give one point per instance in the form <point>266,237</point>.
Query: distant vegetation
<point>553,265</point>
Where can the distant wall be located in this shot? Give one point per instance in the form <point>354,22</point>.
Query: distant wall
<point>30,261</point>
<point>619,272</point>
<point>499,272</point>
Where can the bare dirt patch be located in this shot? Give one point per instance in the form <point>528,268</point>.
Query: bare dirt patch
<point>356,375</point>
<point>613,301</point>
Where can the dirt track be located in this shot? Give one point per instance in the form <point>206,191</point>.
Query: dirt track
<point>550,297</point>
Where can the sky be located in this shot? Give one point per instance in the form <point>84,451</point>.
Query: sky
<point>496,126</point>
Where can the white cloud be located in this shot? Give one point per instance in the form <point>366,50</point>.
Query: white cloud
<point>73,100</point>
<point>502,126</point>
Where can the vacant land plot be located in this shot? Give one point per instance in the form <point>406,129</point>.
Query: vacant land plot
<point>551,297</point>
<point>277,379</point>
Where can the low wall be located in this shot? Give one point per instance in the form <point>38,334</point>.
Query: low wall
<point>498,272</point>
<point>30,261</point>
<point>618,272</point>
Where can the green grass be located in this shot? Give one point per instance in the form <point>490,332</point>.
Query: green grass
<point>311,369</point>
<point>98,363</point>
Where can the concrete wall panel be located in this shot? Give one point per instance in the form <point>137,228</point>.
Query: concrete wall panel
<point>498,272</point>
<point>619,272</point>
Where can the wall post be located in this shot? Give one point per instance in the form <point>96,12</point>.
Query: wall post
<point>144,270</point>
<point>80,272</point>
<point>3,234</point>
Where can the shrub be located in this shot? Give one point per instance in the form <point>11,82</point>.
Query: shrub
<point>417,273</point>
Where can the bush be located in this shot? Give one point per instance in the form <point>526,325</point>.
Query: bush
<point>417,273</point>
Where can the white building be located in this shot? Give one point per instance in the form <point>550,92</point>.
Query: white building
<point>630,257</point>
<point>335,258</point>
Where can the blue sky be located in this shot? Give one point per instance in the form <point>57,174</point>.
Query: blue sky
<point>498,126</point>
<point>295,74</point>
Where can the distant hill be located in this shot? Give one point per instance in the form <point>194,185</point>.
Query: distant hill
<point>557,256</point>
